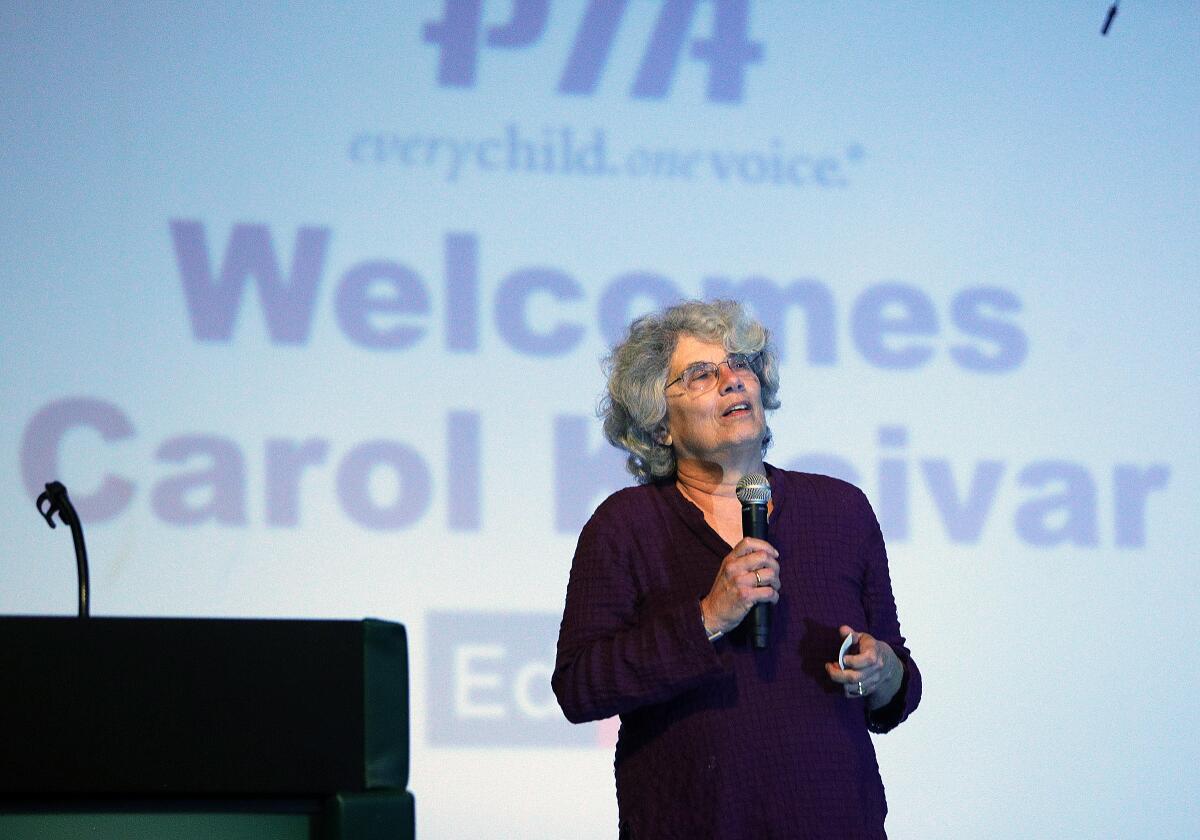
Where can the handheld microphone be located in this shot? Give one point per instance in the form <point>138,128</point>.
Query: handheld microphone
<point>753,491</point>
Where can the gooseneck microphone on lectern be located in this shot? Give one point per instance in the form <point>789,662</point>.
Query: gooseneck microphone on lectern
<point>754,492</point>
<point>55,500</point>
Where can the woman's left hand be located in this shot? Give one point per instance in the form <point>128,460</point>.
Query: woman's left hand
<point>875,672</point>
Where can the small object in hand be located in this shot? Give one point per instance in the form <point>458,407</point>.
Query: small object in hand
<point>846,642</point>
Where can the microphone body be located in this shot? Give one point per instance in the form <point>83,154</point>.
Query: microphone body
<point>753,491</point>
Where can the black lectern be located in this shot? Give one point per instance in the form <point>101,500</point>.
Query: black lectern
<point>214,728</point>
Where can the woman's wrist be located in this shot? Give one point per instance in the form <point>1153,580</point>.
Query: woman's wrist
<point>893,678</point>
<point>710,629</point>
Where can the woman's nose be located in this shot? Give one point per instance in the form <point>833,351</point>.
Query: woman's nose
<point>731,380</point>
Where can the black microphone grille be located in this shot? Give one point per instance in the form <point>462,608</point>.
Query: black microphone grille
<point>753,489</point>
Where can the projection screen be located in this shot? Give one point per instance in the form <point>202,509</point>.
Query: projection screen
<point>306,305</point>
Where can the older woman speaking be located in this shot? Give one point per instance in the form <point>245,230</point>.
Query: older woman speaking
<point>720,738</point>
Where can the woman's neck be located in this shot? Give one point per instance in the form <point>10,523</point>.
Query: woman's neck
<point>713,489</point>
<point>707,479</point>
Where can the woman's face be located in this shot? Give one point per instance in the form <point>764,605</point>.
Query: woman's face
<point>722,423</point>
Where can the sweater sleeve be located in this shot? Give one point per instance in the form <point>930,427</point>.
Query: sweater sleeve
<point>614,654</point>
<point>884,624</point>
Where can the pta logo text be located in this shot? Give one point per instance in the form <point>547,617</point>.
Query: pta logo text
<point>461,37</point>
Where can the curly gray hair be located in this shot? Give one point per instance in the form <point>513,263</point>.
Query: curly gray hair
<point>635,404</point>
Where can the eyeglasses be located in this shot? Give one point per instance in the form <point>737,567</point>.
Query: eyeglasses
<point>698,377</point>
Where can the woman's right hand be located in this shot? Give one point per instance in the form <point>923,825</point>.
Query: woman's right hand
<point>748,575</point>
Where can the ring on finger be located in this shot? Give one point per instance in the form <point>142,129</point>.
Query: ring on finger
<point>860,690</point>
<point>757,579</point>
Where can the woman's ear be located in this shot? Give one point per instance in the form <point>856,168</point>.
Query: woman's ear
<point>661,435</point>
